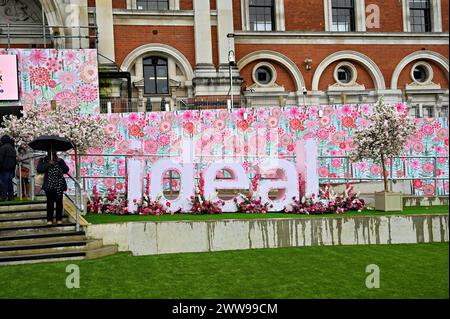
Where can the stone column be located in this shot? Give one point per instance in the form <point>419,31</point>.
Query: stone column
<point>104,16</point>
<point>203,42</point>
<point>224,27</point>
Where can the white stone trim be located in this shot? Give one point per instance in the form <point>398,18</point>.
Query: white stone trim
<point>278,57</point>
<point>364,60</point>
<point>279,15</point>
<point>436,16</point>
<point>360,15</point>
<point>342,38</point>
<point>418,55</point>
<point>158,48</point>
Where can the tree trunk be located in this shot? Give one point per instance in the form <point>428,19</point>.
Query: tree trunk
<point>383,167</point>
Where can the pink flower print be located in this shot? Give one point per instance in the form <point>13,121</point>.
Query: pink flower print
<point>366,110</point>
<point>39,76</point>
<point>336,162</point>
<point>71,57</point>
<point>169,116</point>
<point>337,138</point>
<point>109,182</point>
<point>99,161</point>
<point>38,57</point>
<point>428,189</point>
<point>68,79</point>
<point>277,112</point>
<point>322,134</point>
<point>323,171</point>
<point>324,121</point>
<point>87,92</point>
<point>164,140</point>
<point>88,73</point>
<point>219,124</point>
<point>428,130</point>
<point>165,126</point>
<point>286,139</point>
<point>294,112</point>
<point>375,169</point>
<point>66,99</point>
<point>133,117</point>
<point>418,147</point>
<point>272,122</point>
<point>346,110</point>
<point>428,167</point>
<point>150,146</point>
<point>188,116</point>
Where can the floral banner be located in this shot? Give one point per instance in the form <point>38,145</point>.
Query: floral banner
<point>251,135</point>
<point>69,77</point>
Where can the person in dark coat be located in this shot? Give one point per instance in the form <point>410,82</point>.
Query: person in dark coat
<point>54,184</point>
<point>8,162</point>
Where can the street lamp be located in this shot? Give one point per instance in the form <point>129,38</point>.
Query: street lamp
<point>231,63</point>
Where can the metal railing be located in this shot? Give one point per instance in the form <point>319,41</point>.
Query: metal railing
<point>163,103</point>
<point>81,37</point>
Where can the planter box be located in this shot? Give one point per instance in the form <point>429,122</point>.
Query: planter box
<point>389,201</point>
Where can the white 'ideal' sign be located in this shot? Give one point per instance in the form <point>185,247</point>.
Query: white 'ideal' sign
<point>284,179</point>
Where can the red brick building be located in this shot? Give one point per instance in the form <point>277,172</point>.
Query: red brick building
<point>286,51</point>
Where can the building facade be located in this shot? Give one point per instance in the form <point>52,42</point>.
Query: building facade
<point>175,53</point>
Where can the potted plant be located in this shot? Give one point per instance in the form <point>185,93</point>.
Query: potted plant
<point>384,138</point>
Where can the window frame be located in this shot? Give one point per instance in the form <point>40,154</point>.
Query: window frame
<point>154,66</point>
<point>278,24</point>
<point>435,16</point>
<point>360,16</point>
<point>272,16</point>
<point>426,27</point>
<point>172,5</point>
<point>351,10</point>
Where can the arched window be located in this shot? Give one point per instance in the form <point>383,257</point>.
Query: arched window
<point>156,79</point>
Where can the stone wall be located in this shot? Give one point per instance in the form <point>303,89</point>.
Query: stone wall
<point>151,238</point>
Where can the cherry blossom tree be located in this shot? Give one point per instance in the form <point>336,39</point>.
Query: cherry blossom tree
<point>385,136</point>
<point>84,131</point>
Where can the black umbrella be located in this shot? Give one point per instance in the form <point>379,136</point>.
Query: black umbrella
<point>51,143</point>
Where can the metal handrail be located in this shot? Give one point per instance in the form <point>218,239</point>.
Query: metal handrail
<point>39,31</point>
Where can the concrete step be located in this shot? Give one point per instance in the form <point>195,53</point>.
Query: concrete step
<point>39,258</point>
<point>33,229</point>
<point>103,251</point>
<point>25,214</point>
<point>58,256</point>
<point>43,240</point>
<point>22,207</point>
<point>32,236</point>
<point>41,220</point>
<point>51,247</point>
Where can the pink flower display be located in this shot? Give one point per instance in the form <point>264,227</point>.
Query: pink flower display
<point>87,93</point>
<point>39,76</point>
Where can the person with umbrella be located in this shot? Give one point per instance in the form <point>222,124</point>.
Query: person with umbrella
<point>53,169</point>
<point>8,162</point>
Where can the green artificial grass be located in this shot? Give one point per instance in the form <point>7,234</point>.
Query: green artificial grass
<point>107,218</point>
<point>406,271</point>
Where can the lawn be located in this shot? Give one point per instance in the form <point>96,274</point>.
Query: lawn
<point>106,218</point>
<point>406,271</point>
